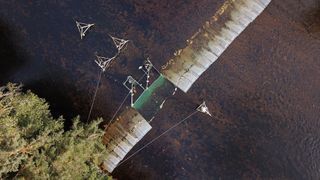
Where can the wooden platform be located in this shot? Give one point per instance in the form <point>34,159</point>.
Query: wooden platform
<point>211,41</point>
<point>120,137</point>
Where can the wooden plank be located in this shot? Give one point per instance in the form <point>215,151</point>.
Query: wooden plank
<point>215,36</point>
<point>120,137</point>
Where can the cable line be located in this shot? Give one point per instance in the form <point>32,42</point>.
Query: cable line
<point>156,138</point>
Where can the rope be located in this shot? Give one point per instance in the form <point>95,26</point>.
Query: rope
<point>114,115</point>
<point>141,77</point>
<point>95,95</point>
<point>156,69</point>
<point>156,138</point>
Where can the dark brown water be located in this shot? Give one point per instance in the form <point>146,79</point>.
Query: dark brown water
<point>264,91</point>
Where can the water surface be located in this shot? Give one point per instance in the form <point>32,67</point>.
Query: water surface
<point>263,91</point>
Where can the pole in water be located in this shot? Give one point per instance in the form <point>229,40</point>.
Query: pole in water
<point>146,68</point>
<point>132,91</point>
<point>130,83</point>
<point>124,100</point>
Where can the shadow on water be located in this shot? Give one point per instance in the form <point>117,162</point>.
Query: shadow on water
<point>12,56</point>
<point>43,78</point>
<point>56,92</point>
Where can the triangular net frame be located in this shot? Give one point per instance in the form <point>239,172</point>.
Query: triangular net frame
<point>119,43</point>
<point>203,108</point>
<point>104,62</point>
<point>83,28</point>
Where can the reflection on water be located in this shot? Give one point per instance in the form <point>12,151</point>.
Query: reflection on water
<point>264,90</point>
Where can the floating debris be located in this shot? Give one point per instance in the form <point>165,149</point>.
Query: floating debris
<point>204,109</point>
<point>83,28</point>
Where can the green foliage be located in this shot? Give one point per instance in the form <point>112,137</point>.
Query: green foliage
<point>35,146</point>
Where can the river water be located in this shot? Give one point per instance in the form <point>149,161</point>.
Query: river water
<point>263,91</point>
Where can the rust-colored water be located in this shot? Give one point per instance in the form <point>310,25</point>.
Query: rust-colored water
<point>263,91</point>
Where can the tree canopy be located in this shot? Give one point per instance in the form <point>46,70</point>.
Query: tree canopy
<point>34,145</point>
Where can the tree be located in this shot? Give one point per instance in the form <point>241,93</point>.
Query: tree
<point>35,146</point>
